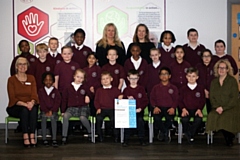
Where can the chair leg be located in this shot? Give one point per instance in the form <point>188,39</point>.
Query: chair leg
<point>6,131</point>
<point>92,134</point>
<point>211,137</point>
<point>180,133</point>
<point>238,137</point>
<point>122,134</point>
<point>94,129</point>
<point>150,132</point>
<point>208,136</point>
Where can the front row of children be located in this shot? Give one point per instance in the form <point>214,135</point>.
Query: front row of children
<point>165,99</point>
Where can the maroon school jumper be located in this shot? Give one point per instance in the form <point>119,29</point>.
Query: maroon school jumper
<point>54,60</point>
<point>138,94</point>
<point>193,56</point>
<point>167,57</point>
<point>153,76</point>
<point>49,102</point>
<point>142,70</point>
<point>73,98</point>
<point>178,73</point>
<point>205,74</point>
<point>31,59</point>
<point>80,56</point>
<point>38,68</point>
<point>192,99</point>
<point>104,98</point>
<point>164,96</point>
<point>93,76</point>
<point>117,72</point>
<point>215,58</point>
<point>65,71</point>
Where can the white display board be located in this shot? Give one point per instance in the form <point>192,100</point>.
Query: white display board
<point>125,113</point>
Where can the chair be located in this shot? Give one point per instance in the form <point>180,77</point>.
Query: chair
<point>180,128</point>
<point>7,120</point>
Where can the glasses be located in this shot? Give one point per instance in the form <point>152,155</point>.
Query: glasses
<point>22,64</point>
<point>133,79</point>
<point>222,68</point>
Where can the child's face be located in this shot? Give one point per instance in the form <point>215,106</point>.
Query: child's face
<point>67,55</point>
<point>133,79</point>
<point>112,55</point>
<point>48,81</point>
<point>42,54</point>
<point>135,50</point>
<point>179,54</point>
<point>155,55</point>
<point>53,45</point>
<point>78,77</point>
<point>192,77</point>
<point>91,60</point>
<point>193,37</point>
<point>79,39</point>
<point>164,76</point>
<point>106,80</point>
<point>219,48</point>
<point>110,32</point>
<point>141,32</point>
<point>167,39</point>
<point>24,47</point>
<point>206,57</point>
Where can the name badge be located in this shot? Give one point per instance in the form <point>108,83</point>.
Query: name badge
<point>28,83</point>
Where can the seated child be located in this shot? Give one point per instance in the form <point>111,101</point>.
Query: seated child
<point>50,101</point>
<point>164,99</point>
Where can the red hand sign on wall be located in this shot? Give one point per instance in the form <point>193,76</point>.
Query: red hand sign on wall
<point>33,24</point>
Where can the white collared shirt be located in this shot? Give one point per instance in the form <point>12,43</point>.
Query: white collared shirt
<point>76,86</point>
<point>48,90</point>
<point>78,47</point>
<point>155,65</point>
<point>221,55</point>
<point>55,53</point>
<point>192,86</point>
<point>107,87</point>
<point>193,47</point>
<point>166,48</point>
<point>137,63</point>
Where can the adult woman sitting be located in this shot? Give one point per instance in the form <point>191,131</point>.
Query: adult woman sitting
<point>110,39</point>
<point>23,100</point>
<point>141,37</point>
<point>224,115</point>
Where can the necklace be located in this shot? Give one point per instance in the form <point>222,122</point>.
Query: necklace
<point>22,79</point>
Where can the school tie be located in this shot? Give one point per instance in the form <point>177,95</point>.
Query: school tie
<point>78,48</point>
<point>167,50</point>
<point>53,55</point>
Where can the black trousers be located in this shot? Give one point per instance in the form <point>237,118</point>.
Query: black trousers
<point>159,124</point>
<point>140,128</point>
<point>191,129</point>
<point>28,118</point>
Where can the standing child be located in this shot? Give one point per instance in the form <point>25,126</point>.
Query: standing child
<point>80,51</point>
<point>104,103</point>
<point>138,63</point>
<point>50,100</point>
<point>193,48</point>
<point>164,99</point>
<point>137,92</point>
<point>191,102</point>
<point>75,99</point>
<point>64,70</point>
<point>54,57</point>
<point>93,73</point>
<point>116,70</point>
<point>167,50</point>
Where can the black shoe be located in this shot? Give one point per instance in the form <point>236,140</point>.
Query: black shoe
<point>64,141</point>
<point>125,144</point>
<point>160,136</point>
<point>33,144</point>
<point>26,145</point>
<point>116,140</point>
<point>100,139</point>
<point>143,143</point>
<point>54,143</point>
<point>46,143</point>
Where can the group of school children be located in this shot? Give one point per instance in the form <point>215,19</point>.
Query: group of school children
<point>175,78</point>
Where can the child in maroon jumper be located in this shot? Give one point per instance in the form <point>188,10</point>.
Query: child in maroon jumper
<point>137,92</point>
<point>80,51</point>
<point>191,102</point>
<point>64,70</point>
<point>138,63</point>
<point>75,99</point>
<point>167,50</point>
<point>104,104</point>
<point>93,76</point>
<point>54,57</point>
<point>164,99</point>
<point>114,68</point>
<point>50,100</point>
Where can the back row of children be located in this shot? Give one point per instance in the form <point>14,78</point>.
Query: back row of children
<point>76,96</point>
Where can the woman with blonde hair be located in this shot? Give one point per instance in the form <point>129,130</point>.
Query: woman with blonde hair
<point>110,39</point>
<point>141,37</point>
<point>224,92</point>
<point>23,100</point>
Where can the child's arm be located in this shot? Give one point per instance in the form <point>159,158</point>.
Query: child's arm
<point>87,99</point>
<point>120,83</point>
<point>56,82</point>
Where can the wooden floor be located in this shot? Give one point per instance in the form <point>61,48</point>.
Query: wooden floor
<point>80,148</point>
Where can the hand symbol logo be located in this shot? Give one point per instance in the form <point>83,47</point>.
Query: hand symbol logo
<point>31,24</point>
